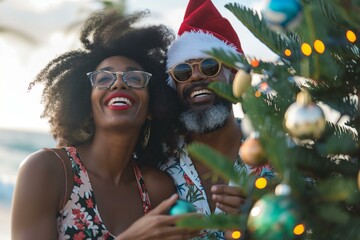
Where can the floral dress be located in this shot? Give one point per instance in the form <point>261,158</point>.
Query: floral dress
<point>189,186</point>
<point>80,218</point>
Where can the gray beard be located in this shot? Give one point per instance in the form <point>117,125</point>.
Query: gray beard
<point>205,121</point>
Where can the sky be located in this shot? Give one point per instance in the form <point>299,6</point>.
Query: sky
<point>47,28</point>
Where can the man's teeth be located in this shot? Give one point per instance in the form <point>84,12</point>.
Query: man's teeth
<point>119,101</point>
<point>200,93</point>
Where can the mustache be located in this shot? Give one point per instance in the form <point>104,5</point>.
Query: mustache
<point>199,84</point>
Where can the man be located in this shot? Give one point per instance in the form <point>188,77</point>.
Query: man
<point>207,117</point>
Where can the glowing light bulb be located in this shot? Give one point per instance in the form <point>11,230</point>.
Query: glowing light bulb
<point>306,49</point>
<point>236,235</point>
<point>261,183</point>
<point>255,211</point>
<point>351,36</point>
<point>299,229</point>
<point>319,46</point>
<point>287,52</point>
<point>255,63</point>
<point>257,93</point>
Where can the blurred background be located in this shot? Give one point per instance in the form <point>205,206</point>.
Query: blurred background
<point>32,32</point>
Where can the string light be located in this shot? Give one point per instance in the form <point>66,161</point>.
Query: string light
<point>257,93</point>
<point>299,229</point>
<point>306,49</point>
<point>287,52</point>
<point>236,235</point>
<point>255,63</point>
<point>350,35</point>
<point>319,46</point>
<point>264,88</point>
<point>261,183</point>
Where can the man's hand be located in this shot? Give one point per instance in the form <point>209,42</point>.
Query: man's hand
<point>228,198</point>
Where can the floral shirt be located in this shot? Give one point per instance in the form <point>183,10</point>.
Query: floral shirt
<point>189,186</point>
<point>80,218</point>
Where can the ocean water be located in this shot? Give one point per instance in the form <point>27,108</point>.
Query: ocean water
<point>15,145</point>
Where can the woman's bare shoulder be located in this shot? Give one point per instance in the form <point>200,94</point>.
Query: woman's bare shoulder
<point>44,168</point>
<point>159,184</point>
<point>43,159</point>
<point>38,193</point>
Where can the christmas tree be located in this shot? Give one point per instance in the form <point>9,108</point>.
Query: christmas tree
<point>315,194</point>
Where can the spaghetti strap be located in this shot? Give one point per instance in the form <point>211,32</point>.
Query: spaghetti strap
<point>142,189</point>
<point>65,172</point>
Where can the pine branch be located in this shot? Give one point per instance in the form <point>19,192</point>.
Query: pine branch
<point>342,12</point>
<point>275,41</point>
<point>218,221</point>
<point>224,90</point>
<point>317,167</point>
<point>218,162</point>
<point>323,171</point>
<point>337,94</point>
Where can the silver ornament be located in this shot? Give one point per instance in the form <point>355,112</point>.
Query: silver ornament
<point>304,119</point>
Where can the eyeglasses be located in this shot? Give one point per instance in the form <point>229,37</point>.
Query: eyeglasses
<point>104,79</point>
<point>208,67</point>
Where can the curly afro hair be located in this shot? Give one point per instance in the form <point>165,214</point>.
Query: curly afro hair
<point>67,90</point>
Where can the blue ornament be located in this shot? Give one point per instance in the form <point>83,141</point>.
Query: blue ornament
<point>282,15</point>
<point>181,207</point>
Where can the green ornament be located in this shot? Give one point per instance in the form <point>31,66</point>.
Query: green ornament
<point>181,207</point>
<point>274,217</point>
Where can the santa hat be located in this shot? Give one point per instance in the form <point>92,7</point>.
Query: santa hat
<point>203,29</point>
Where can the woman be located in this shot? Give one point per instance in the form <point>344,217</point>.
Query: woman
<point>107,109</point>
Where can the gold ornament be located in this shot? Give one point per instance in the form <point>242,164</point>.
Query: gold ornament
<point>251,151</point>
<point>304,119</point>
<point>242,81</point>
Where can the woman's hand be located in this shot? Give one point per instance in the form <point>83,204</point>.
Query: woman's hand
<point>158,225</point>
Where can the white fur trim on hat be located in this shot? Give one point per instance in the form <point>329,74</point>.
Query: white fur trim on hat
<point>192,45</point>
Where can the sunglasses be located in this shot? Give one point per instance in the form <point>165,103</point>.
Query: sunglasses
<point>208,67</point>
<point>104,79</point>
